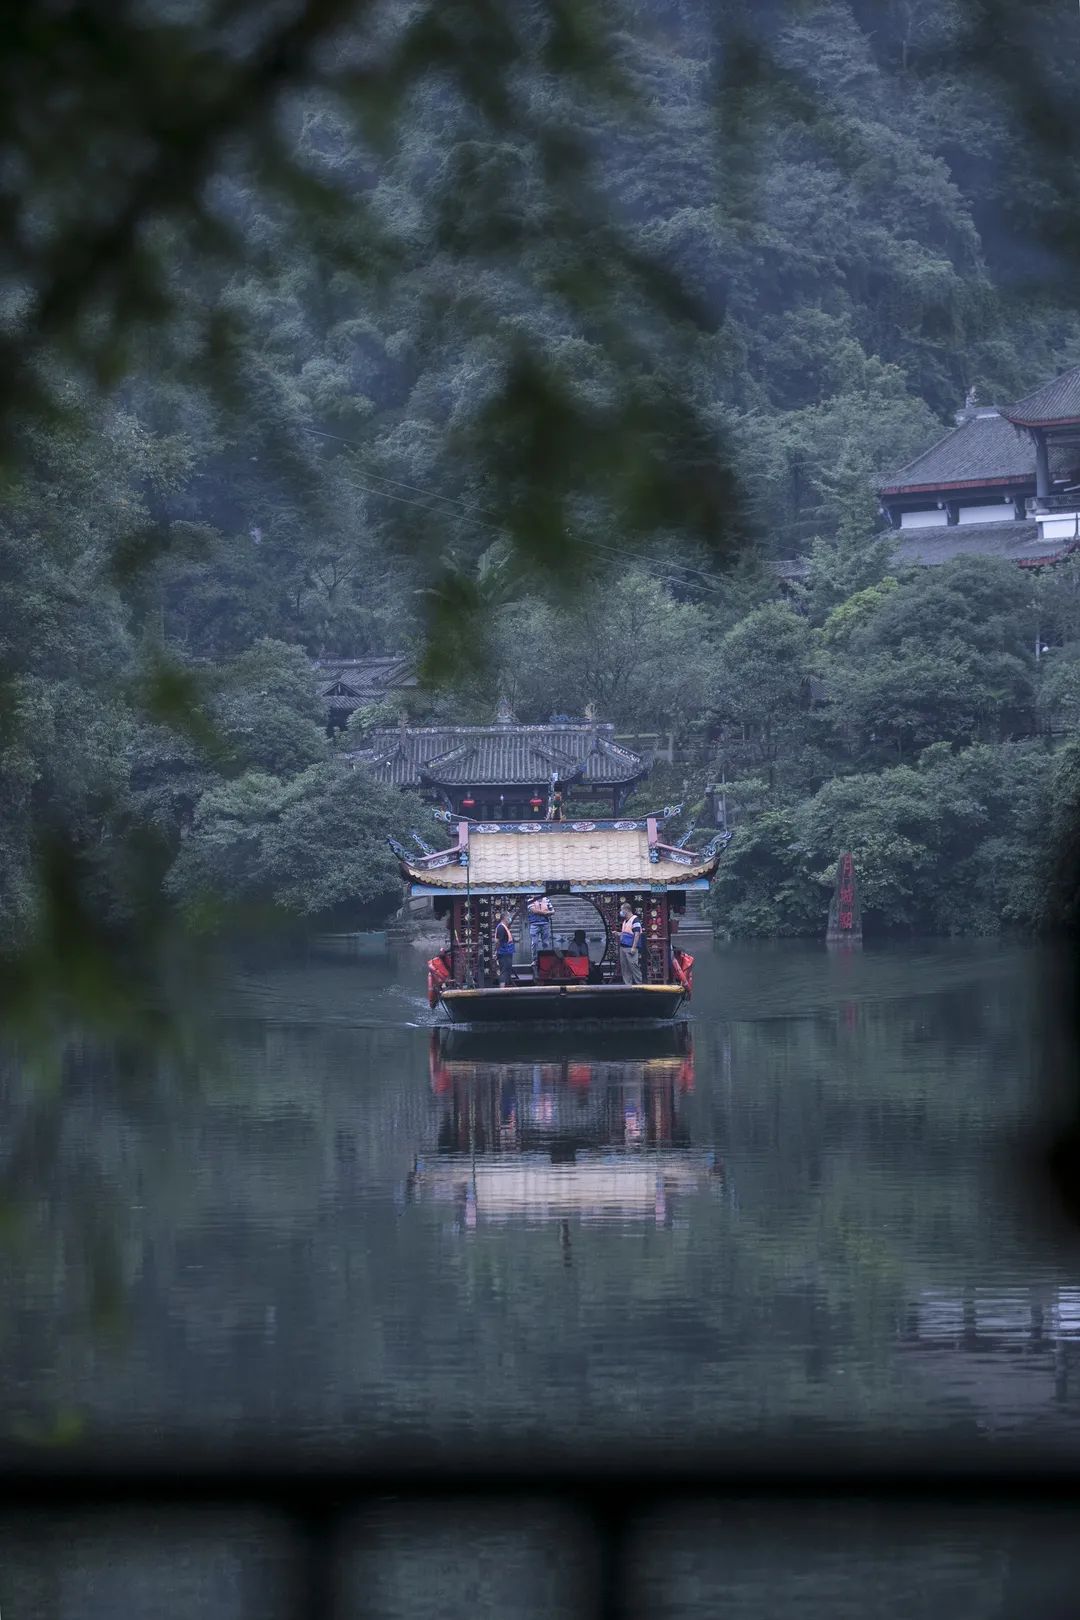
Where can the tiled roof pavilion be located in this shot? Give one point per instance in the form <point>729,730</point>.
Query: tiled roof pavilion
<point>984,451</point>
<point>994,447</point>
<point>928,548</point>
<point>505,754</point>
<point>1055,403</point>
<point>345,684</point>
<point>1004,482</point>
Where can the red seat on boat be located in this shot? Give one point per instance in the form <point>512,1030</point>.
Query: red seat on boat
<point>552,967</point>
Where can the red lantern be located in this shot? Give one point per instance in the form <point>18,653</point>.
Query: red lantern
<point>537,804</point>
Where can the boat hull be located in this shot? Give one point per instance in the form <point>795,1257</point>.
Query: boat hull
<point>563,1003</point>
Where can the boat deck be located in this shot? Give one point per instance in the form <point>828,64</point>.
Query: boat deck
<point>558,1003</point>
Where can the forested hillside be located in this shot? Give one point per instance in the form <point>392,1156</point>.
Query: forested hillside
<point>531,345</point>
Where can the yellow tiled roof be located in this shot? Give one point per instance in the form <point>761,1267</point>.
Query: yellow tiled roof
<point>507,1186</point>
<point>517,859</point>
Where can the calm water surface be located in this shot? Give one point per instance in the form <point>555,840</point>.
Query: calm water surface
<point>342,1227</point>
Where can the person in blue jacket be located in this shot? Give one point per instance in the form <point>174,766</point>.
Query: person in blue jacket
<point>540,911</point>
<point>504,948</point>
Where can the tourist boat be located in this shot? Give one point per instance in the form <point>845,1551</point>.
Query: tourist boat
<point>587,869</point>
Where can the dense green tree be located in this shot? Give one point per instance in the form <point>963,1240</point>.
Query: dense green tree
<point>311,846</point>
<point>948,654</point>
<point>266,709</point>
<point>957,844</point>
<point>639,655</point>
<point>765,666</point>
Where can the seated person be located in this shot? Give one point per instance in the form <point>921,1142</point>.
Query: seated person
<point>579,945</point>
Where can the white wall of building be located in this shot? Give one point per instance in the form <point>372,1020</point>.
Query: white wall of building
<point>934,518</point>
<point>1059,526</point>
<point>998,513</point>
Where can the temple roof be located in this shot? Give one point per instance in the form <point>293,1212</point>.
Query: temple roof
<point>984,449</point>
<point>501,754</point>
<point>1017,542</point>
<point>1056,401</point>
<point>558,853</point>
<point>357,681</point>
<point>1014,542</point>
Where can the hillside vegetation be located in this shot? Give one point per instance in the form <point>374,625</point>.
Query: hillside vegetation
<point>530,362</point>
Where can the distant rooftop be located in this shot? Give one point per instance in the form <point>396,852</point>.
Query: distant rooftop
<point>984,449</point>
<point>1055,402</point>
<point>350,683</point>
<point>1016,542</point>
<point>503,754</point>
<point>1013,542</point>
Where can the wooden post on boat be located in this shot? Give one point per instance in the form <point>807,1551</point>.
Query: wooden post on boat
<point>845,915</point>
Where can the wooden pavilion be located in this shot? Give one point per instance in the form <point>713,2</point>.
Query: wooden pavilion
<point>506,770</point>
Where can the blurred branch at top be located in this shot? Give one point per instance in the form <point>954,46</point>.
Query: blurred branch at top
<point>233,236</point>
<point>173,166</point>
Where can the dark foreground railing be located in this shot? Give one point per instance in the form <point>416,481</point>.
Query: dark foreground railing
<point>324,1507</point>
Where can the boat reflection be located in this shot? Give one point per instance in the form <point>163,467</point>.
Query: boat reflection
<point>542,1129</point>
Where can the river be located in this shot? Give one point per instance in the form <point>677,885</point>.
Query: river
<point>803,1215</point>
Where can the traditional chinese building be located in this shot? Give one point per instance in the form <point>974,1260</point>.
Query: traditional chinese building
<point>506,771</point>
<point>347,684</point>
<point>1004,482</point>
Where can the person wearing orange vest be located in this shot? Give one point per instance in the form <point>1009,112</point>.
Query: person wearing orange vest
<point>629,941</point>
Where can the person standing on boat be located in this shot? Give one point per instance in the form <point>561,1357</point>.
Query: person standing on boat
<point>629,944</point>
<point>541,912</point>
<point>504,948</point>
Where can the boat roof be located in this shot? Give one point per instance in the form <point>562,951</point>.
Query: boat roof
<point>504,858</point>
<point>598,1184</point>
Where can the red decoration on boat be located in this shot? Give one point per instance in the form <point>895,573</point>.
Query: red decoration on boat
<point>438,973</point>
<point>683,964</point>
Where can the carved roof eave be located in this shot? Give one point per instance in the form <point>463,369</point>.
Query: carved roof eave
<point>372,757</point>
<point>449,756</point>
<point>556,756</point>
<point>614,751</point>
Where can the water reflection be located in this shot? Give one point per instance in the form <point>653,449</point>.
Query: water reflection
<point>1009,1353</point>
<point>334,1231</point>
<point>548,1129</point>
<point>799,1214</point>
